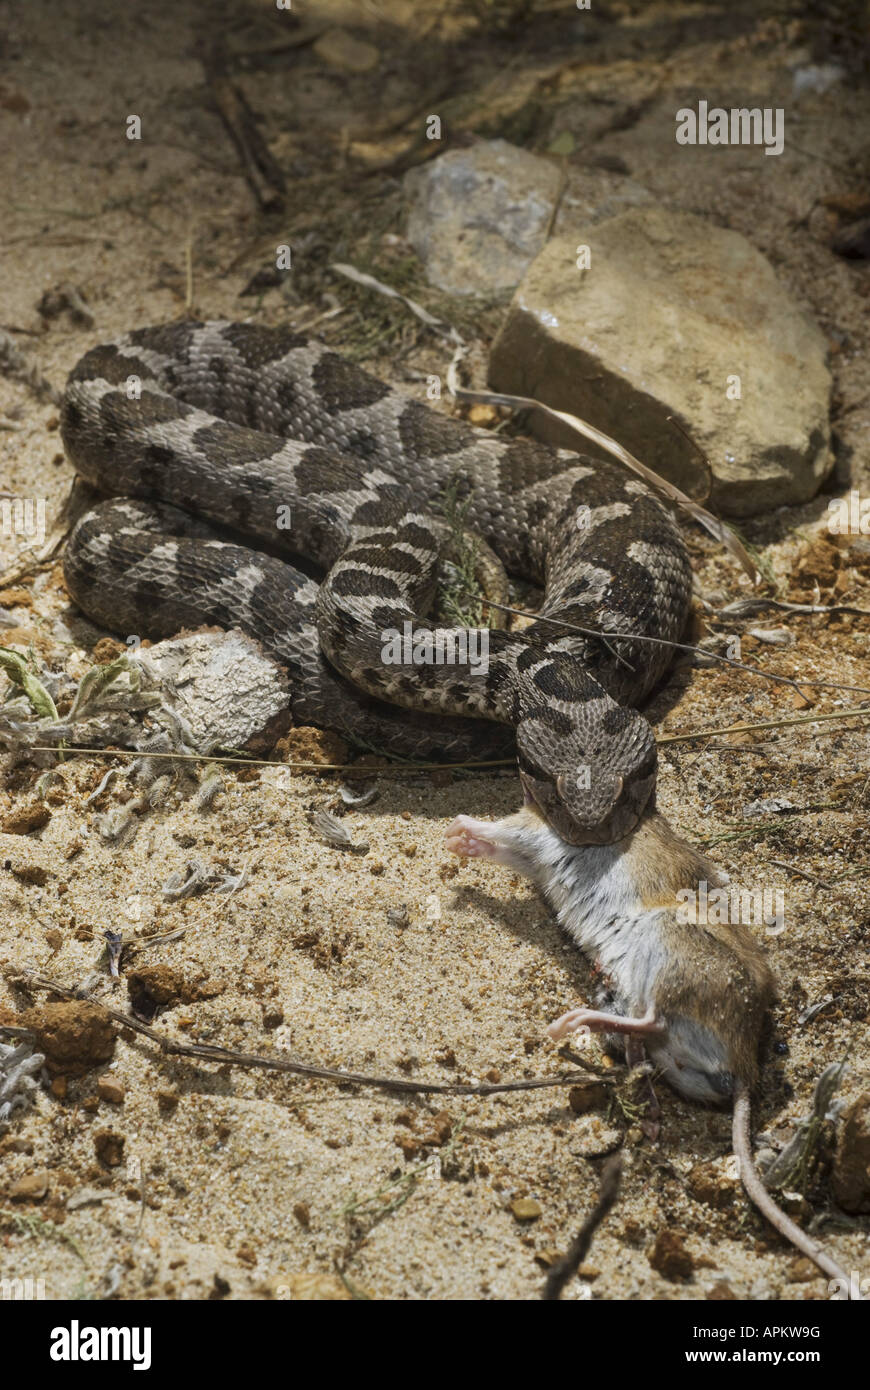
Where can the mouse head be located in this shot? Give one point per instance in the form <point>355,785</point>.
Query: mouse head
<point>591,774</point>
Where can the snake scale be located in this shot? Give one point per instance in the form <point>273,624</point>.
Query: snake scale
<point>201,435</point>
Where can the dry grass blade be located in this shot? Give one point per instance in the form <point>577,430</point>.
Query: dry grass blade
<point>359,277</point>
<point>785,723</point>
<point>414,769</point>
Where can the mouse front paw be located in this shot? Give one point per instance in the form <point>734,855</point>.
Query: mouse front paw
<point>471,839</point>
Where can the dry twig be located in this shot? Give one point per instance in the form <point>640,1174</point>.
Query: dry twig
<point>569,1264</point>
<point>228,1057</point>
<point>262,172</point>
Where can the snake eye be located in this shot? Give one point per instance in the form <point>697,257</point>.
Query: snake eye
<point>568,783</point>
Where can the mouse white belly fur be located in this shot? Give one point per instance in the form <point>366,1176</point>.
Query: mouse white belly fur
<point>669,982</point>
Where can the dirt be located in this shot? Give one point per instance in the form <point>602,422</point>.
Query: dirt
<point>73,1036</point>
<point>181,1179</point>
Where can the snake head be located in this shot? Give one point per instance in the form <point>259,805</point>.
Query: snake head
<point>590,783</point>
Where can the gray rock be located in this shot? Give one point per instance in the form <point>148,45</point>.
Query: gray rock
<point>477,217</point>
<point>670,312</point>
<point>221,686</point>
<point>817,79</point>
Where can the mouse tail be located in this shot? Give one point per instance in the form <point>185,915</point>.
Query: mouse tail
<point>759,1194</point>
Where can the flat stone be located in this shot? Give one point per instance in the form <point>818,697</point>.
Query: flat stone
<point>477,217</point>
<point>224,687</point>
<point>339,49</point>
<point>672,314</point>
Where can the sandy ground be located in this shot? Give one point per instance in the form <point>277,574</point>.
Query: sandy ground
<point>238,1184</point>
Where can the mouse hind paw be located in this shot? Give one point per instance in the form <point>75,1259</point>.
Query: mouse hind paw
<point>597,1022</point>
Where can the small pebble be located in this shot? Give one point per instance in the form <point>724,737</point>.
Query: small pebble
<point>109,1147</point>
<point>526,1209</point>
<point>110,1089</point>
<point>31,1188</point>
<point>670,1257</point>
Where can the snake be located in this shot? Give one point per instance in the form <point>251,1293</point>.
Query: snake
<point>251,477</point>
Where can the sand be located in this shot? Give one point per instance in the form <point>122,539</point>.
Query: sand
<point>236,1183</point>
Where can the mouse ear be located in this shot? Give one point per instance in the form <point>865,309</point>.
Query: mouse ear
<point>562,785</point>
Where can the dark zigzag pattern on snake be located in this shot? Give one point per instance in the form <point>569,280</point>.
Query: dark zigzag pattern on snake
<point>235,421</point>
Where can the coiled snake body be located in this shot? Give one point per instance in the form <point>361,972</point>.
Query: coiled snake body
<point>197,431</point>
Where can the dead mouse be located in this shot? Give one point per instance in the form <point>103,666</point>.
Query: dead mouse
<point>694,996</point>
